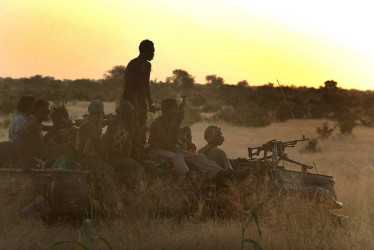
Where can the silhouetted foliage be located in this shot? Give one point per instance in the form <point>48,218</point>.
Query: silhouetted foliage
<point>214,80</point>
<point>346,123</point>
<point>245,115</point>
<point>282,112</point>
<point>243,83</point>
<point>324,131</point>
<point>245,106</point>
<point>331,84</point>
<point>311,147</point>
<point>182,78</point>
<point>197,99</point>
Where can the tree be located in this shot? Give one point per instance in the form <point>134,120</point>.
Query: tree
<point>214,80</point>
<point>243,83</point>
<point>331,84</point>
<point>182,78</point>
<point>116,74</point>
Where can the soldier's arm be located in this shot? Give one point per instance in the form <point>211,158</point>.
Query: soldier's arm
<point>148,88</point>
<point>225,160</point>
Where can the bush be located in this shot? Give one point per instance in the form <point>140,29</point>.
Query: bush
<point>311,147</point>
<point>318,111</point>
<point>346,123</point>
<point>247,115</point>
<point>346,127</point>
<point>324,131</point>
<point>367,118</point>
<point>209,108</point>
<point>5,123</point>
<point>197,99</point>
<point>282,113</point>
<point>7,106</point>
<point>191,115</point>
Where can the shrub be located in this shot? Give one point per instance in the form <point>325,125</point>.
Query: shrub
<point>324,131</point>
<point>311,147</point>
<point>282,113</point>
<point>191,115</point>
<point>318,111</point>
<point>7,106</point>
<point>197,99</point>
<point>5,123</point>
<point>209,107</point>
<point>367,118</point>
<point>346,123</point>
<point>248,115</point>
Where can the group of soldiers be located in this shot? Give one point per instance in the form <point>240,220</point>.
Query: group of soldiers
<point>124,146</point>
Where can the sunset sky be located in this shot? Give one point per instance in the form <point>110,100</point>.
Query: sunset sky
<point>298,42</point>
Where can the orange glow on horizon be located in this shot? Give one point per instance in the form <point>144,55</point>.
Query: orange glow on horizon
<point>238,40</point>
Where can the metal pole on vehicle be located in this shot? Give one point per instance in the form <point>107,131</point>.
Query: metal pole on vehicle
<point>275,155</point>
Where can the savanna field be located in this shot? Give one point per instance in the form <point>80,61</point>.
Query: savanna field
<point>155,219</point>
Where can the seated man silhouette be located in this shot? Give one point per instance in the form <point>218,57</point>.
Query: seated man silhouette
<point>163,141</point>
<point>213,136</point>
<point>24,110</point>
<point>30,140</point>
<point>94,150</point>
<point>60,138</point>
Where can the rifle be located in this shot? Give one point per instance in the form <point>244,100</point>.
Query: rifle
<point>181,109</point>
<point>277,148</point>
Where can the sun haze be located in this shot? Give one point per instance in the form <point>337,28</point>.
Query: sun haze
<point>297,42</point>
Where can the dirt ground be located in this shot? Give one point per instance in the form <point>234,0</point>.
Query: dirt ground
<point>348,158</point>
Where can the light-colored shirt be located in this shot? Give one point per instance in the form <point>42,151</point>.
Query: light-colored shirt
<point>16,125</point>
<point>216,154</point>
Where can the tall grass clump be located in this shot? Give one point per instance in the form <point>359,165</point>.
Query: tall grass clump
<point>324,131</point>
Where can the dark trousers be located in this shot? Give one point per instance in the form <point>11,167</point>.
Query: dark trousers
<point>12,155</point>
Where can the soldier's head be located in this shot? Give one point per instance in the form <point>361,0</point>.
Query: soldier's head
<point>169,107</point>
<point>147,49</point>
<point>186,132</point>
<point>95,108</point>
<point>25,104</point>
<point>213,135</point>
<point>125,111</point>
<point>59,115</point>
<point>41,110</point>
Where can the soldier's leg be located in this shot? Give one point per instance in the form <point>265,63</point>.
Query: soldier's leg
<point>8,156</point>
<point>98,165</point>
<point>12,155</point>
<point>142,120</point>
<point>175,159</point>
<point>202,162</point>
<point>124,165</point>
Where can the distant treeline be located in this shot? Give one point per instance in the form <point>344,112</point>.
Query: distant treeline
<point>239,104</point>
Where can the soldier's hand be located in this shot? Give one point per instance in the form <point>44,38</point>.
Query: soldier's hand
<point>153,108</point>
<point>180,117</point>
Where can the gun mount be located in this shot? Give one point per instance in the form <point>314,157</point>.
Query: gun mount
<point>264,162</point>
<point>277,153</point>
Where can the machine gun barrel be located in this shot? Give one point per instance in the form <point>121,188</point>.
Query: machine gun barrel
<point>292,143</point>
<point>269,147</point>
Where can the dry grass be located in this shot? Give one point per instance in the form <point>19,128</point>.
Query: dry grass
<point>155,217</point>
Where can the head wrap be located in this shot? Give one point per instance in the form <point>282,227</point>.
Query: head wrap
<point>211,133</point>
<point>96,114</point>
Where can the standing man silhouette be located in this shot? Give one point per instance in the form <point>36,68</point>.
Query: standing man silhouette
<point>136,87</point>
